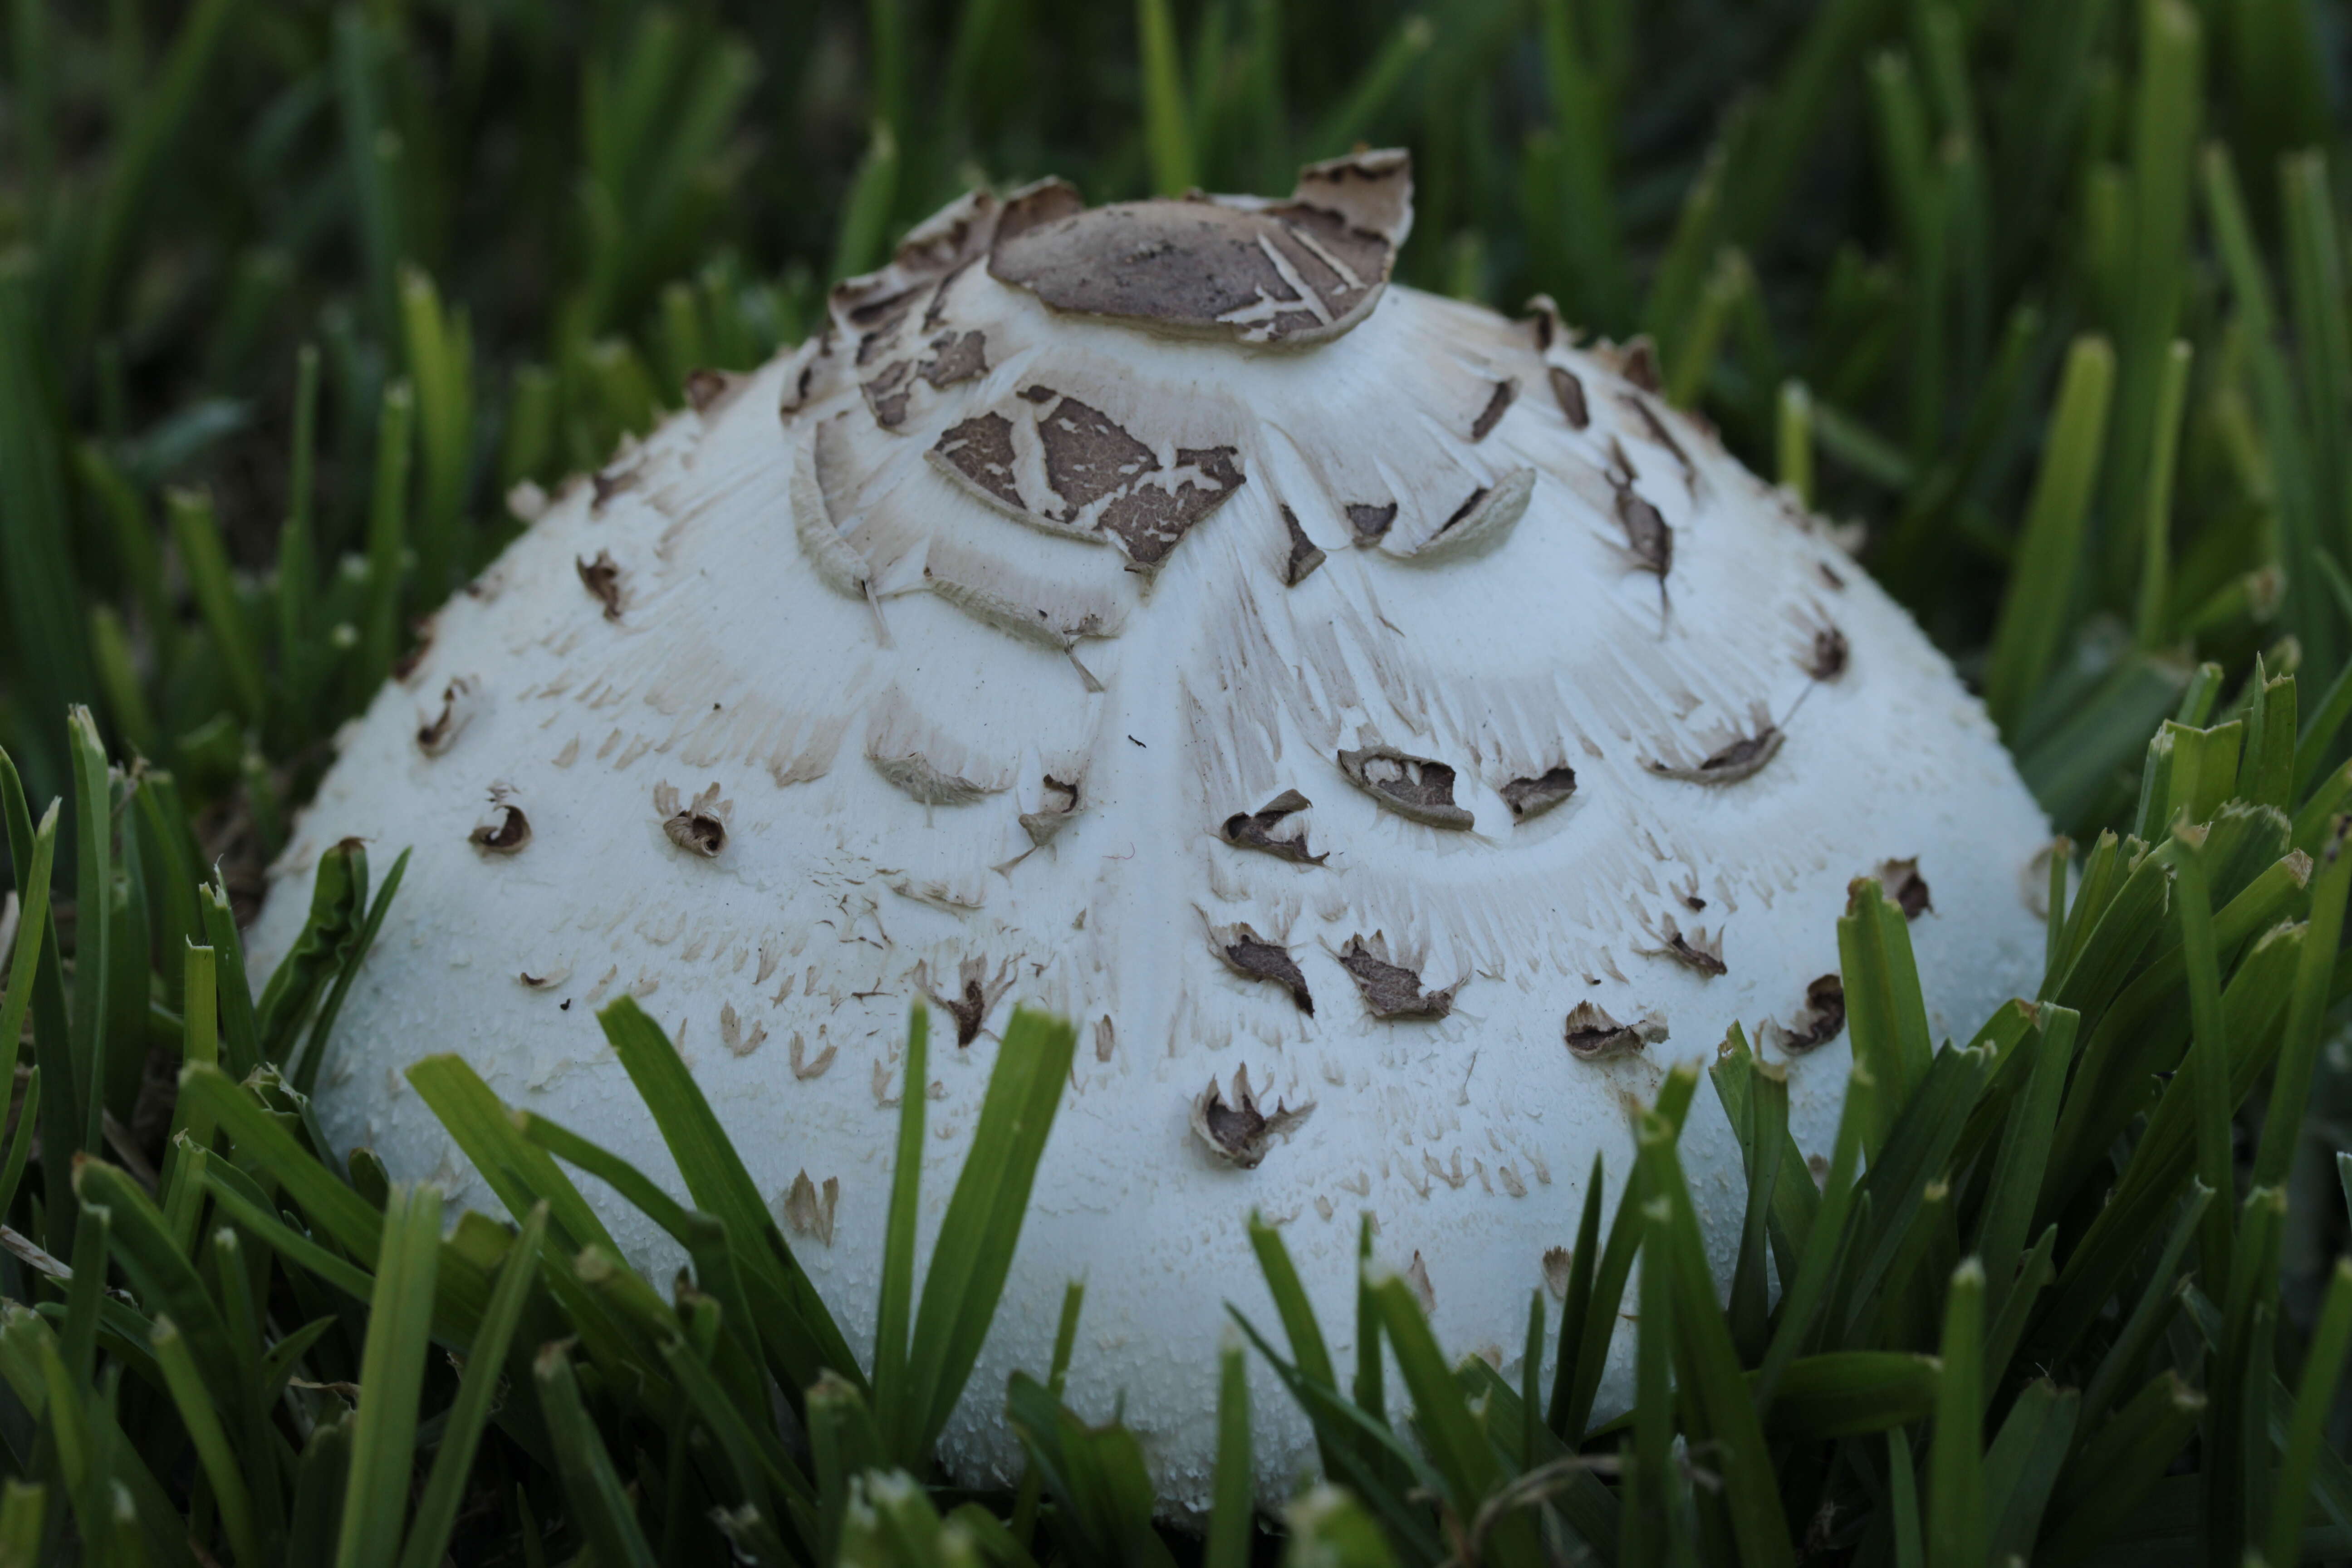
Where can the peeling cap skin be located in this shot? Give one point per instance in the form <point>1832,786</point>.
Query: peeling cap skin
<point>1393,735</point>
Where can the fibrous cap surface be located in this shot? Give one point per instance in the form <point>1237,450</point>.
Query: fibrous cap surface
<point>1389,730</point>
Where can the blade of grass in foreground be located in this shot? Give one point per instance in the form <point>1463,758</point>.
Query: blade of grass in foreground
<point>391,1370</point>
<point>2322,1371</point>
<point>983,1224</point>
<point>2036,611</point>
<point>1230,1518</point>
<point>894,1410</point>
<point>715,1177</point>
<point>461,1435</point>
<point>605,1514</point>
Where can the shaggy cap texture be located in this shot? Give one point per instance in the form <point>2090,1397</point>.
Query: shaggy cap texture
<point>1392,731</point>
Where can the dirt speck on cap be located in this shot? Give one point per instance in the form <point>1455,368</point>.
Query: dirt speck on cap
<point>1420,788</point>
<point>1235,1130</point>
<point>1390,990</point>
<point>1256,830</point>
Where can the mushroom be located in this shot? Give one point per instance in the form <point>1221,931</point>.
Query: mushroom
<point>1082,552</point>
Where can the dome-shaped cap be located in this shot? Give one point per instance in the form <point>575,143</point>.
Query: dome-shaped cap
<point>1392,731</point>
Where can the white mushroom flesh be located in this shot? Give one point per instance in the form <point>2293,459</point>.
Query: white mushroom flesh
<point>982,673</point>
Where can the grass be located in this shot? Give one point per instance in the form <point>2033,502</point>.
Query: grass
<point>2052,299</point>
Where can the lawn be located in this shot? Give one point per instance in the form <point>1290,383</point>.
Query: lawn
<point>2045,304</point>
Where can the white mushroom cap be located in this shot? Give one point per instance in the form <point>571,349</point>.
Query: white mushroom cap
<point>1391,732</point>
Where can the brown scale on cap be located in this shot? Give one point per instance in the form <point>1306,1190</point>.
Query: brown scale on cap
<point>1288,274</point>
<point>1817,1023</point>
<point>955,358</point>
<point>978,993</point>
<point>1256,830</point>
<point>697,826</point>
<point>1743,758</point>
<point>1252,957</point>
<point>1102,482</point>
<point>1531,797</point>
<point>602,578</point>
<point>1570,392</point>
<point>1827,657</point>
<point>507,835</point>
<point>1305,556</point>
<point>1060,803</point>
<point>1391,990</point>
<point>1649,539</point>
<point>608,483</point>
<point>1236,1131</point>
<point>1498,402</point>
<point>1905,889</point>
<point>437,734</point>
<point>1370,523</point>
<point>707,390</point>
<point>1420,788</point>
<point>1591,1034</point>
<point>1695,950</point>
<point>1657,430</point>
<point>1637,362</point>
<point>808,1213</point>
<point>979,450</point>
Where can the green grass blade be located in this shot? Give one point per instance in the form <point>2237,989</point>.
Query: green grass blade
<point>983,1224</point>
<point>2306,1011</point>
<point>391,1371</point>
<point>1719,1411</point>
<point>461,1435</point>
<point>893,1408</point>
<point>715,1177</point>
<point>2037,610</point>
<point>1233,1514</point>
<point>1166,134</point>
<point>211,1442</point>
<point>518,1170</point>
<point>1956,1486</point>
<point>2322,1371</point>
<point>387,537</point>
<point>606,1516</point>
